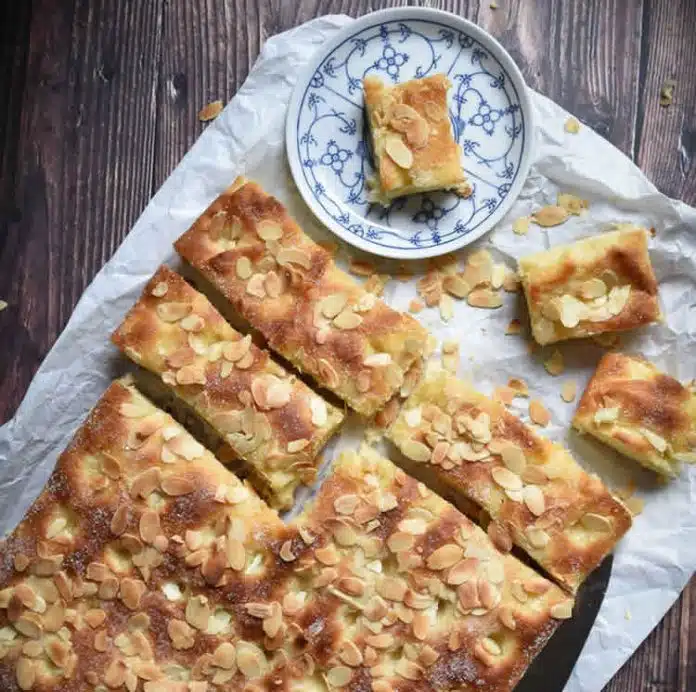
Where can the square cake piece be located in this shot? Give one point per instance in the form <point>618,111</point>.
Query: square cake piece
<point>309,311</point>
<point>419,598</point>
<point>268,417</point>
<point>138,565</point>
<point>412,141</point>
<point>600,284</point>
<point>536,494</point>
<point>641,412</point>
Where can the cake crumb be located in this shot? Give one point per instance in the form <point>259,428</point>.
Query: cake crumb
<point>572,125</point>
<point>521,226</point>
<point>361,267</point>
<point>416,306</point>
<point>667,93</point>
<point>515,326</point>
<point>519,385</point>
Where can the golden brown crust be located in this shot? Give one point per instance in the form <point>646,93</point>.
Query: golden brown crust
<point>269,418</point>
<point>536,494</point>
<point>600,284</point>
<point>413,117</point>
<point>316,316</point>
<point>641,412</point>
<point>134,563</point>
<point>427,601</point>
<point>144,564</point>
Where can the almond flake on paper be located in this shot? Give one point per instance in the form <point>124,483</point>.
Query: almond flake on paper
<point>554,364</point>
<point>210,111</point>
<point>416,306</point>
<point>519,385</point>
<point>515,327</point>
<point>538,413</point>
<point>375,283</point>
<point>550,215</point>
<point>361,267</point>
<point>446,308</point>
<point>569,391</point>
<point>572,125</point>
<point>572,204</point>
<point>521,226</point>
<point>635,505</point>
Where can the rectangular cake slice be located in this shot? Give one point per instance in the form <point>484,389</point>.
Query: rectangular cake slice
<point>600,284</point>
<point>139,565</point>
<point>641,412</point>
<point>289,289</point>
<point>536,494</point>
<point>412,141</point>
<point>419,596</point>
<point>268,417</point>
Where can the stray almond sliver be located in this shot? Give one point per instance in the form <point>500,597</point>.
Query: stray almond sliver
<point>569,391</point>
<point>551,215</point>
<point>538,413</point>
<point>210,111</point>
<point>572,125</point>
<point>521,226</point>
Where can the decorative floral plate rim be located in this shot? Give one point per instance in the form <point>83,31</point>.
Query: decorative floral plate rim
<point>418,231</point>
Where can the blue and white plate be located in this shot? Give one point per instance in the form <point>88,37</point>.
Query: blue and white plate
<point>327,136</point>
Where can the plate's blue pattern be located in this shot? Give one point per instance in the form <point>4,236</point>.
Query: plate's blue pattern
<point>332,136</point>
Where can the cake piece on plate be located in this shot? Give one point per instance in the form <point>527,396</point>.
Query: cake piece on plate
<point>416,595</point>
<point>268,417</point>
<point>641,412</point>
<point>600,284</point>
<point>412,141</point>
<point>289,289</point>
<point>536,494</point>
<point>138,565</point>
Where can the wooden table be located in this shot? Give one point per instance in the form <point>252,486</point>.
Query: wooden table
<point>98,102</point>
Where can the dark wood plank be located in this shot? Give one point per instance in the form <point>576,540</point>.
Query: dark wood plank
<point>666,144</point>
<point>84,162</point>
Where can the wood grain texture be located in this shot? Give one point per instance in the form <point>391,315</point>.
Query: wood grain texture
<point>84,151</point>
<point>103,103</point>
<point>666,144</point>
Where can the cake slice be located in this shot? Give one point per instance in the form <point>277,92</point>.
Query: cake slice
<point>412,141</point>
<point>289,289</point>
<point>600,284</point>
<point>536,494</point>
<point>138,565</point>
<point>641,412</point>
<point>419,598</point>
<point>268,418</point>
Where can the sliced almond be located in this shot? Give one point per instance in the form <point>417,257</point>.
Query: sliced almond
<point>160,289</point>
<point>347,319</point>
<point>534,499</point>
<point>551,215</point>
<point>596,522</point>
<point>538,413</point>
<point>569,391</point>
<point>506,478</point>
<point>574,205</point>
<point>456,285</point>
<point>445,556</point>
<point>294,255</point>
<point>173,312</point>
<point>521,226</point>
<point>484,298</point>
<point>562,610</point>
<point>210,111</point>
<point>333,304</point>
<point>592,288</point>
<point>513,457</point>
<point>415,450</point>
<point>554,364</point>
<point>269,230</point>
<point>398,152</point>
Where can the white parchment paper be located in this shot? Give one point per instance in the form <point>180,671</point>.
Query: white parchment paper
<point>658,556</point>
